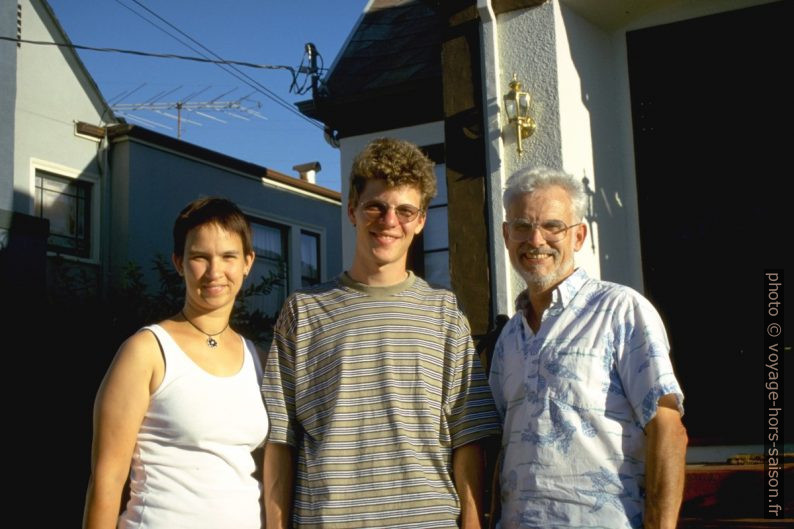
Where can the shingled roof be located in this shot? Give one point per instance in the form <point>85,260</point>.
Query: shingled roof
<point>388,74</point>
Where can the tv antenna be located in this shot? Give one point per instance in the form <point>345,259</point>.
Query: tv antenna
<point>238,108</point>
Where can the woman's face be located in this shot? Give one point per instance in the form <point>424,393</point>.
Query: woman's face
<point>214,267</point>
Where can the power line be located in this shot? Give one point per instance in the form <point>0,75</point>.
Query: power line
<point>229,68</point>
<point>156,55</point>
<point>236,72</point>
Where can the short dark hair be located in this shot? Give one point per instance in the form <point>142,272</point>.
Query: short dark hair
<point>398,163</point>
<point>212,210</point>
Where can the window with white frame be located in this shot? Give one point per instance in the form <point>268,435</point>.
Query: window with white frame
<point>66,203</point>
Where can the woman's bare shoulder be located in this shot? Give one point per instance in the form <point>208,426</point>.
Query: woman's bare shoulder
<point>141,349</point>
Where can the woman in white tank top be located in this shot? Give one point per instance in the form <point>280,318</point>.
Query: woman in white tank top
<point>179,410</point>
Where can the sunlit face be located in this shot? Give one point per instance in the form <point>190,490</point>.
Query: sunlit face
<point>214,266</point>
<point>384,241</point>
<point>543,264</point>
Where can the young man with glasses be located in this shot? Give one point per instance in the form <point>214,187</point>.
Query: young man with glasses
<point>582,378</point>
<point>373,380</point>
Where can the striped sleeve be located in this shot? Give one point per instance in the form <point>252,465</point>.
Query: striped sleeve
<point>472,414</point>
<point>278,383</point>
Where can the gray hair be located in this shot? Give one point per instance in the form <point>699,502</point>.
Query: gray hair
<point>529,180</point>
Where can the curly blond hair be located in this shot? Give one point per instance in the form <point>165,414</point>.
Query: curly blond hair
<point>399,163</point>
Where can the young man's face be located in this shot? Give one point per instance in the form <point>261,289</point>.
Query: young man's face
<point>383,223</point>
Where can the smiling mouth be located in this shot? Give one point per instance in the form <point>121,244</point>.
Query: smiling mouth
<point>384,238</point>
<point>536,257</point>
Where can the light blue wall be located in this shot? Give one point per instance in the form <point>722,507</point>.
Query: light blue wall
<point>54,91</point>
<point>151,186</point>
<point>8,93</point>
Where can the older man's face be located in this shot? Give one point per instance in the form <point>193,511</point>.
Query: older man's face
<point>541,263</point>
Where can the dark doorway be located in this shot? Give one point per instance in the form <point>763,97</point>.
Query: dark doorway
<point>710,106</point>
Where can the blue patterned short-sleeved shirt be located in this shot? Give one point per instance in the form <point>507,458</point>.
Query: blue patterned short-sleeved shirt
<point>574,399</point>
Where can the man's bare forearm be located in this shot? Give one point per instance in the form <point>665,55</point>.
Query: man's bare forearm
<point>665,461</point>
<point>278,479</point>
<point>468,466</point>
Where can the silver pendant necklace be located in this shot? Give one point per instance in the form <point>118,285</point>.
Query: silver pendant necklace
<point>211,341</point>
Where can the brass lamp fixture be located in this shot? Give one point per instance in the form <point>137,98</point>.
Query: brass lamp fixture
<point>517,107</point>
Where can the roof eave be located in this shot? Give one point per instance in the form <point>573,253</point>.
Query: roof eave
<point>403,105</point>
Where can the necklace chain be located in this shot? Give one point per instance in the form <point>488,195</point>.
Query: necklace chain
<point>211,341</point>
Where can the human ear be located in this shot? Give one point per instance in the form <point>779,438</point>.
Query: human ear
<point>420,223</point>
<point>249,261</point>
<point>579,236</point>
<point>351,214</point>
<point>177,260</point>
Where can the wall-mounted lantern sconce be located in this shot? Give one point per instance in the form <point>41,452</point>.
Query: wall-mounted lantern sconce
<point>517,107</point>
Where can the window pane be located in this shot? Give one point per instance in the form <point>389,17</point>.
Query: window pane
<point>436,233</point>
<point>268,241</point>
<point>271,302</point>
<point>61,210</point>
<point>310,259</point>
<point>65,202</point>
<point>437,269</point>
<point>270,246</point>
<point>441,185</point>
<point>56,185</point>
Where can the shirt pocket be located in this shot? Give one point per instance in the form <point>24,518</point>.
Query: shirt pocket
<point>578,377</point>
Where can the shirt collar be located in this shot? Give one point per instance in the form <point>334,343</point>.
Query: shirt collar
<point>570,286</point>
<point>562,295</point>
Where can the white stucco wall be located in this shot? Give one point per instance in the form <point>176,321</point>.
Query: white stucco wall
<point>594,141</point>
<point>527,47</point>
<point>576,95</point>
<point>53,93</point>
<point>426,134</point>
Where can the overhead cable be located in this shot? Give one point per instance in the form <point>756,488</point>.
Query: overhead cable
<point>229,68</point>
<point>156,55</point>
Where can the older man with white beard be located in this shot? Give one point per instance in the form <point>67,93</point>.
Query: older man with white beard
<point>582,378</point>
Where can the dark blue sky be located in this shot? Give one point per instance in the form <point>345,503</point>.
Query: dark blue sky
<point>257,31</point>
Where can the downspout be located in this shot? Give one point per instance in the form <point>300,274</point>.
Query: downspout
<point>105,218</point>
<point>492,102</point>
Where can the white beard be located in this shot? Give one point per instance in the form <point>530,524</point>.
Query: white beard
<point>538,283</point>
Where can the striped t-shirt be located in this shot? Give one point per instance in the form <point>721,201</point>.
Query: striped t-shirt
<point>375,386</point>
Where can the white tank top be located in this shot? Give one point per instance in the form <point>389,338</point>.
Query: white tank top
<point>192,465</point>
